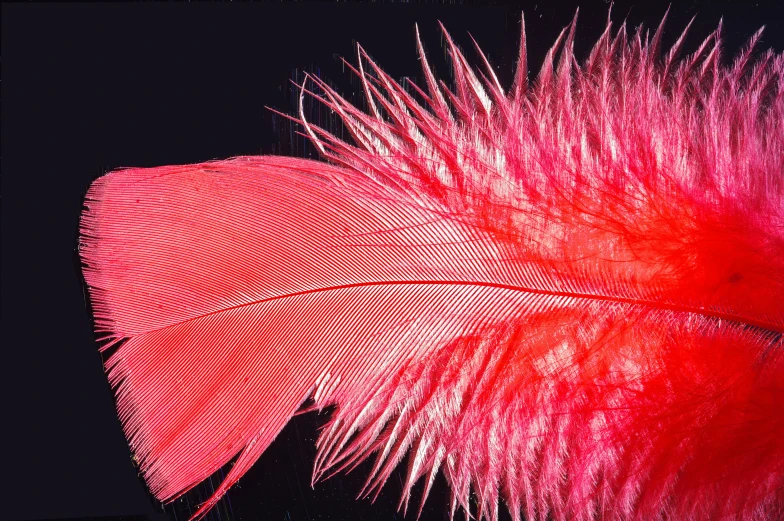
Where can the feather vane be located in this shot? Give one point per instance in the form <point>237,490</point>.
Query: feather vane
<point>567,297</point>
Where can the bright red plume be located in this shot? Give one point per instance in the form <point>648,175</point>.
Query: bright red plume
<point>568,296</point>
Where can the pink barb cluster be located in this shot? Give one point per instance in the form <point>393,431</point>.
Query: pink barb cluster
<point>642,178</point>
<point>567,297</point>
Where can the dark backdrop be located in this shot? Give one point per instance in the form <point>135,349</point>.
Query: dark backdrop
<point>88,88</point>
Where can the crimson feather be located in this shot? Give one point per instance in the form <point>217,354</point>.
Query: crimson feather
<point>567,297</point>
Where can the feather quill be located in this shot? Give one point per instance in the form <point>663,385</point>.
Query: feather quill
<point>567,297</point>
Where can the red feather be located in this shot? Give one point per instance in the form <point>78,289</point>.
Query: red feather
<point>568,297</point>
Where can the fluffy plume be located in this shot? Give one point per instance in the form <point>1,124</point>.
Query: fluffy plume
<point>567,296</point>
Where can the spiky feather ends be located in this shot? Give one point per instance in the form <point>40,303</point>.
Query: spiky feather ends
<point>567,297</point>
<point>645,195</point>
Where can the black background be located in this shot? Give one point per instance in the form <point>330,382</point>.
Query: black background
<point>88,88</point>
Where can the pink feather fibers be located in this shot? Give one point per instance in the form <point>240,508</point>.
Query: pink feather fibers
<point>568,297</point>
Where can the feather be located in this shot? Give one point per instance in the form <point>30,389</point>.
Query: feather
<point>568,297</point>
